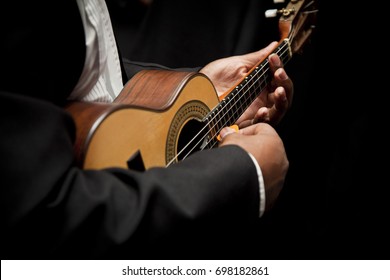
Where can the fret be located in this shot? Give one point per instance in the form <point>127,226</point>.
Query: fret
<point>224,114</point>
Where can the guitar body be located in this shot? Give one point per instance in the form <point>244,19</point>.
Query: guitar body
<point>154,115</point>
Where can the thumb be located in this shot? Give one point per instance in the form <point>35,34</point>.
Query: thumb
<point>226,131</point>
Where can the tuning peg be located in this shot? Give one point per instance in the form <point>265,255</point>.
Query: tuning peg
<point>274,12</point>
<point>271,13</point>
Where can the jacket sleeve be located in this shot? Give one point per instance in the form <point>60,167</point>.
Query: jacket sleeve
<point>206,204</point>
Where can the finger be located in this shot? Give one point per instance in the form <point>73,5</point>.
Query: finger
<point>262,115</point>
<point>274,62</point>
<point>284,81</point>
<point>245,123</point>
<point>254,129</point>
<point>254,57</point>
<point>280,107</point>
<point>226,131</point>
<point>281,101</point>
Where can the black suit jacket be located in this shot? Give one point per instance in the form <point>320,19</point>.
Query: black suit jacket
<point>203,207</point>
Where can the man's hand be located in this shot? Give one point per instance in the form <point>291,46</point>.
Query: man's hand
<point>262,141</point>
<point>273,103</point>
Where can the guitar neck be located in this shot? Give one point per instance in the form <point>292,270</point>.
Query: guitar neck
<point>239,99</point>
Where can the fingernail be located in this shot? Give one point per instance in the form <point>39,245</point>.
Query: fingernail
<point>280,92</point>
<point>281,74</point>
<point>274,59</point>
<point>226,131</point>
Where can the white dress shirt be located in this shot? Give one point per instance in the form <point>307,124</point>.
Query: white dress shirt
<point>101,79</point>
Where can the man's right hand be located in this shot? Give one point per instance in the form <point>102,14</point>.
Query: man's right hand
<point>263,142</point>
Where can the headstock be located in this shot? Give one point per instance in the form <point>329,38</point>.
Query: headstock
<point>296,22</point>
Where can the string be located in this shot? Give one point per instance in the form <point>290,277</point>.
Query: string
<point>226,103</point>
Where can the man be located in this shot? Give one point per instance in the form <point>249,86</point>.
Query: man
<point>208,203</point>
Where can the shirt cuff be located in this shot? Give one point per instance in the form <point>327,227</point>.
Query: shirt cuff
<point>261,186</point>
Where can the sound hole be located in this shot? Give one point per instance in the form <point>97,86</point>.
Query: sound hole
<point>191,139</point>
<point>186,131</point>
